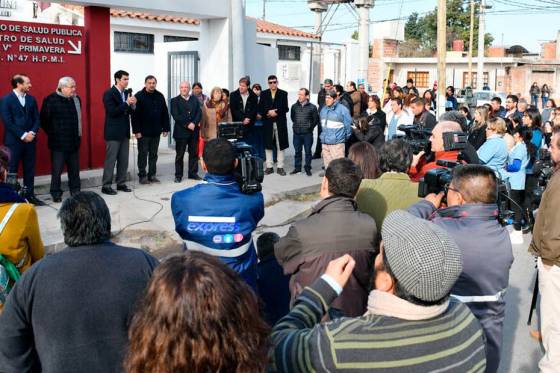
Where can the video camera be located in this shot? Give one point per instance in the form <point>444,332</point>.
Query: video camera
<point>12,181</point>
<point>249,172</point>
<point>544,169</point>
<point>417,137</point>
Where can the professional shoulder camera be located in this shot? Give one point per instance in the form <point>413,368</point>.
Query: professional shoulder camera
<point>417,137</point>
<point>543,169</point>
<point>249,172</point>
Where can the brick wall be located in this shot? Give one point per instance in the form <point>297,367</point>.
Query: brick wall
<point>496,52</point>
<point>549,50</point>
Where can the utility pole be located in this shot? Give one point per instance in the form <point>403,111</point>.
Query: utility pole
<point>363,37</point>
<point>441,54</point>
<point>264,10</point>
<point>471,37</point>
<point>480,65</point>
<point>318,8</point>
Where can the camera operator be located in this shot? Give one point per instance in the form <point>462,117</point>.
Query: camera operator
<point>546,246</point>
<point>215,217</point>
<point>421,165</point>
<point>471,212</point>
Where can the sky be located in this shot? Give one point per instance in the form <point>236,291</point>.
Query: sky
<point>524,22</point>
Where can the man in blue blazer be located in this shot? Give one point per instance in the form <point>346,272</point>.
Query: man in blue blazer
<point>119,105</point>
<point>20,116</point>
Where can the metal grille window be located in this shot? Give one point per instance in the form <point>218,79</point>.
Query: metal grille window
<point>288,52</point>
<point>421,78</point>
<point>173,38</point>
<point>474,81</point>
<point>134,42</point>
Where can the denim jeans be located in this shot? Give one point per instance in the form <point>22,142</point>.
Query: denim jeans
<point>544,100</point>
<point>535,100</point>
<point>303,141</point>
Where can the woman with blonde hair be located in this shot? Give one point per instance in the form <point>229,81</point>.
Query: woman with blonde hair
<point>215,110</point>
<point>477,132</point>
<point>494,152</point>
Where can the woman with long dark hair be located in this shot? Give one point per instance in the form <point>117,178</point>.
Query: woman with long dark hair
<point>365,156</point>
<point>430,101</point>
<point>519,157</point>
<point>533,121</point>
<point>197,316</point>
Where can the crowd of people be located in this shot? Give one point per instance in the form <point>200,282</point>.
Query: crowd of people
<point>374,278</point>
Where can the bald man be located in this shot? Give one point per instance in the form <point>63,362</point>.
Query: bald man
<point>420,166</point>
<point>185,110</point>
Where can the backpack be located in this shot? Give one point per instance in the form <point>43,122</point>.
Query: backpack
<point>9,272</point>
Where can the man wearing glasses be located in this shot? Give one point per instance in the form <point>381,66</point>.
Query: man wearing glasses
<point>471,211</point>
<point>511,107</point>
<point>274,106</point>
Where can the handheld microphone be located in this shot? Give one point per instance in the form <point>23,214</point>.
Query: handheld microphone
<point>129,91</point>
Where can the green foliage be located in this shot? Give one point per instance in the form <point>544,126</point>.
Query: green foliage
<point>354,35</point>
<point>423,29</point>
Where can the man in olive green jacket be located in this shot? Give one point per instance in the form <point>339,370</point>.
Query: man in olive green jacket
<point>393,189</point>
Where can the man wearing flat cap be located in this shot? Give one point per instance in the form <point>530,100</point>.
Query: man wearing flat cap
<point>411,324</point>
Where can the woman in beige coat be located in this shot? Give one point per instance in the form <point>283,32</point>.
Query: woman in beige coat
<point>215,110</point>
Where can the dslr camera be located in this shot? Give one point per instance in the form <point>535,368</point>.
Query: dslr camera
<point>249,172</point>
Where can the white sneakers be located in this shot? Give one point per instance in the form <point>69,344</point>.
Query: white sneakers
<point>516,237</point>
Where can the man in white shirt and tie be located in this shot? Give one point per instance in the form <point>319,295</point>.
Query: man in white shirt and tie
<point>20,116</point>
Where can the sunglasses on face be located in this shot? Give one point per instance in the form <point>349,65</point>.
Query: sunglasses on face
<point>272,82</point>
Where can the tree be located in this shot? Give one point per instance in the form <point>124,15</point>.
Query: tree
<point>354,35</point>
<point>424,29</point>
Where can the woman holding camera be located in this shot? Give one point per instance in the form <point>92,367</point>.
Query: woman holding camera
<point>20,239</point>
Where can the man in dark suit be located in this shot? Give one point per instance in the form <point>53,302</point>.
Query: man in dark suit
<point>244,105</point>
<point>20,116</point>
<point>61,119</point>
<point>274,106</point>
<point>149,121</point>
<point>119,105</point>
<point>185,110</point>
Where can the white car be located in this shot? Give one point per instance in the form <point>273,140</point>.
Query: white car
<point>484,97</point>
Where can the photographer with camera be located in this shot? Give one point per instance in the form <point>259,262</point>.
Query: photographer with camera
<point>216,217</point>
<point>421,164</point>
<point>471,212</point>
<point>546,246</point>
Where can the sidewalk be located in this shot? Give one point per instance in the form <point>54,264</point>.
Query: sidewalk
<point>147,201</point>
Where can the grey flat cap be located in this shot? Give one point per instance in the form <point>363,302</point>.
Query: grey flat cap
<point>424,259</point>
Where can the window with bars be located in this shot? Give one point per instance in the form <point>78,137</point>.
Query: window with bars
<point>421,78</point>
<point>132,42</point>
<point>474,83</point>
<point>288,53</point>
<point>174,38</point>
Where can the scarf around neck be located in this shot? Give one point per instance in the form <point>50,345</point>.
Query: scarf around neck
<point>381,303</point>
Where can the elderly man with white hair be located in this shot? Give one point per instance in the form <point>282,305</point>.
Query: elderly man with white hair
<point>61,119</point>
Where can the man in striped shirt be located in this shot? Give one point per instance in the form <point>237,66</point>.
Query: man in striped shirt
<point>410,325</point>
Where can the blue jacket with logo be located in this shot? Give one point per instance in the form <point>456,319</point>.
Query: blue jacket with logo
<point>216,218</point>
<point>336,123</point>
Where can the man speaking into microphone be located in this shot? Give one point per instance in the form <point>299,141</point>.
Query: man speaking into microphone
<point>119,105</point>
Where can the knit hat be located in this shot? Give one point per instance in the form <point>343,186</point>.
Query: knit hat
<point>424,259</point>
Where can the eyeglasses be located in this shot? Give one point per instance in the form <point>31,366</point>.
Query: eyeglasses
<point>273,82</point>
<point>447,188</point>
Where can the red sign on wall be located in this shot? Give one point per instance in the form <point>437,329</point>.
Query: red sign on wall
<point>45,53</point>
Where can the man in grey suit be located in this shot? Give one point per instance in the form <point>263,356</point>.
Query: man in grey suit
<point>119,105</point>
